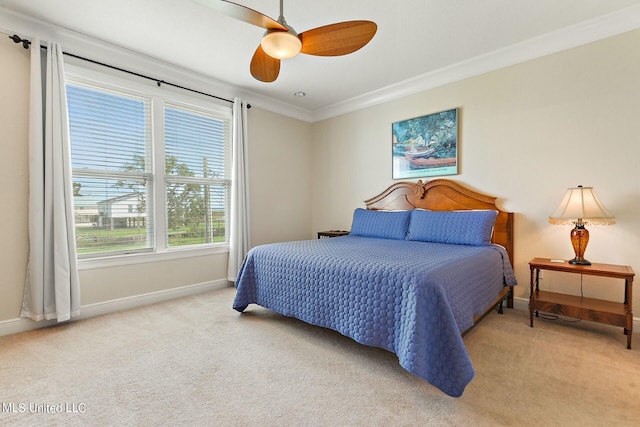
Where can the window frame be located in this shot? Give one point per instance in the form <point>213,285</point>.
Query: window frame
<point>159,97</point>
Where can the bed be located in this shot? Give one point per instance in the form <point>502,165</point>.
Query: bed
<point>423,264</point>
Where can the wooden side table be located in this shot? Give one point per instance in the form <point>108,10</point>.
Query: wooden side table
<point>331,233</point>
<point>608,312</point>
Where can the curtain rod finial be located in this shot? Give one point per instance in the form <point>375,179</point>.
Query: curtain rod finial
<point>17,39</point>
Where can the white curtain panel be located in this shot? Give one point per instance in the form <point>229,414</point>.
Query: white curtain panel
<point>239,242</point>
<point>52,289</point>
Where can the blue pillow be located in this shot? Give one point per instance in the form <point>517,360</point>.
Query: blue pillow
<point>473,227</point>
<point>381,224</point>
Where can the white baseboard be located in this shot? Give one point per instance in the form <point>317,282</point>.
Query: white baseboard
<point>13,326</point>
<point>520,303</point>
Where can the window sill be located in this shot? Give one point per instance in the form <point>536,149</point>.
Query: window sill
<point>144,258</point>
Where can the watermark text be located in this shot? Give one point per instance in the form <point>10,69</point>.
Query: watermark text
<point>43,408</point>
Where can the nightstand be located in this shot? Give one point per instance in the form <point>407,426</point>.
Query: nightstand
<point>331,233</point>
<point>596,310</point>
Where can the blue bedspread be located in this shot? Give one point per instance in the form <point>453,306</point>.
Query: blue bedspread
<point>411,298</point>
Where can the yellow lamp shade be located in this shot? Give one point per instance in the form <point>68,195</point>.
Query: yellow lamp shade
<point>281,44</point>
<point>581,206</point>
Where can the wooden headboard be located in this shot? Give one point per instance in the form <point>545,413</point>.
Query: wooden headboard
<point>445,195</point>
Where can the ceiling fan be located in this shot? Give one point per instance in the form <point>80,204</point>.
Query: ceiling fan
<point>281,41</point>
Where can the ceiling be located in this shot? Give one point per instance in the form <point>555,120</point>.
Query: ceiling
<point>414,37</point>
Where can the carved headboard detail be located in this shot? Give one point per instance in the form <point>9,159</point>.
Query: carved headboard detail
<point>444,195</point>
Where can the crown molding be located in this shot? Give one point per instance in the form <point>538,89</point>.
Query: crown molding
<point>609,25</point>
<point>120,56</point>
<point>619,22</point>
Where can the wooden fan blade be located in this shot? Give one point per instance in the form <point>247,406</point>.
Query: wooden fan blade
<point>243,13</point>
<point>337,39</point>
<point>263,67</point>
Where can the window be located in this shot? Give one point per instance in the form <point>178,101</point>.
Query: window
<point>196,187</point>
<point>150,171</point>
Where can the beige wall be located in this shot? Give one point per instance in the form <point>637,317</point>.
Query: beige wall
<point>14,114</point>
<point>280,155</point>
<point>279,177</point>
<point>527,132</point>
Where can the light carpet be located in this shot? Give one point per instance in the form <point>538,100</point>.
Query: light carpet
<point>196,361</point>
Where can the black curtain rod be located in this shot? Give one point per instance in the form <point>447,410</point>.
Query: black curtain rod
<point>26,43</point>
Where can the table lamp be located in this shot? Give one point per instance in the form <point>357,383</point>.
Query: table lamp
<point>581,206</point>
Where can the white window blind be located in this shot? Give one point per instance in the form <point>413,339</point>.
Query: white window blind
<point>197,175</point>
<point>149,173</point>
<point>110,154</point>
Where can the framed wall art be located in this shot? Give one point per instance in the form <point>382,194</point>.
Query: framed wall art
<point>426,146</point>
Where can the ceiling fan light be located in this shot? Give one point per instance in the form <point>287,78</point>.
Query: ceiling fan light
<point>281,44</point>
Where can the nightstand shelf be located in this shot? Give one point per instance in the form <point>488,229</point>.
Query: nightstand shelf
<point>597,310</point>
<point>609,312</point>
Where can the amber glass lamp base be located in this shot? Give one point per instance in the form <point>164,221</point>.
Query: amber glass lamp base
<point>579,240</point>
